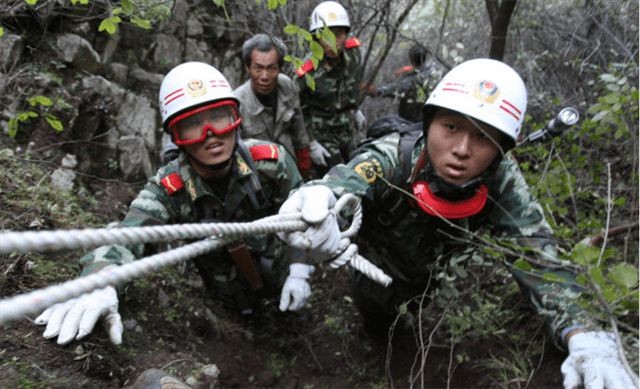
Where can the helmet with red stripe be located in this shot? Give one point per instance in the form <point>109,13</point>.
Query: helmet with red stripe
<point>192,85</point>
<point>483,89</point>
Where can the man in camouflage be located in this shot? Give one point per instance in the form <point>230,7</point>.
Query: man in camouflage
<point>461,180</point>
<point>330,109</point>
<point>216,177</point>
<point>269,101</point>
<point>412,85</point>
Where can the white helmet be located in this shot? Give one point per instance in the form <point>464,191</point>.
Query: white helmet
<point>189,85</point>
<point>329,13</point>
<point>486,90</point>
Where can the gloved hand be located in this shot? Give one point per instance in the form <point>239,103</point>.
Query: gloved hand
<point>296,289</point>
<point>322,240</point>
<point>593,362</point>
<point>75,319</point>
<point>361,120</point>
<point>319,154</point>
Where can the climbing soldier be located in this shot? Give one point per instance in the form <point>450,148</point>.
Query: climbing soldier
<point>217,177</point>
<point>331,109</point>
<point>461,180</point>
<point>411,86</point>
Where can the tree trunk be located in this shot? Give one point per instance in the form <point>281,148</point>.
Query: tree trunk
<point>500,15</point>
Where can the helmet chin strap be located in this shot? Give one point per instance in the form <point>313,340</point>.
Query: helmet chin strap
<point>437,197</point>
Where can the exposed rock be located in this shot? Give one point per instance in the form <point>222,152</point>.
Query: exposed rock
<point>77,51</point>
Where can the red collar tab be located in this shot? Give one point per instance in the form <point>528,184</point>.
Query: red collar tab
<point>172,183</point>
<point>260,152</point>
<point>437,206</point>
<point>305,68</point>
<point>351,43</point>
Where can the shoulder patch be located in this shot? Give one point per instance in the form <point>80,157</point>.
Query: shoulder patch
<point>172,183</point>
<point>369,170</point>
<point>264,151</point>
<point>351,43</point>
<point>403,70</point>
<point>305,68</point>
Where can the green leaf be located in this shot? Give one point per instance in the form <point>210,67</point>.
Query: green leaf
<point>272,4</point>
<point>31,2</point>
<point>142,23</point>
<point>584,254</point>
<point>597,276</point>
<point>24,116</point>
<point>624,275</point>
<point>1,31</point>
<point>522,265</point>
<point>316,50</point>
<point>40,100</point>
<point>54,122</point>
<point>291,29</point>
<point>12,127</point>
<point>311,82</point>
<point>81,2</point>
<point>551,277</point>
<point>110,25</point>
<point>219,3</point>
<point>127,7</point>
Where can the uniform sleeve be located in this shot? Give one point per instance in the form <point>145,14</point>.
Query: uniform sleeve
<point>152,206</point>
<point>300,134</point>
<point>369,173</point>
<point>518,217</point>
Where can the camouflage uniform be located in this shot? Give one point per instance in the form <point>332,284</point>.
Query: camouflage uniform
<point>412,88</point>
<point>408,247</point>
<point>329,109</point>
<point>285,126</point>
<point>176,194</point>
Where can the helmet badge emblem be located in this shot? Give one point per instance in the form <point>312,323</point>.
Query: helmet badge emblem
<point>332,16</point>
<point>196,88</point>
<point>486,91</point>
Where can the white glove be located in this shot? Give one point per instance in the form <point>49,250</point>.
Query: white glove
<point>593,362</point>
<point>322,240</point>
<point>75,319</point>
<point>361,120</point>
<point>296,289</point>
<point>318,153</point>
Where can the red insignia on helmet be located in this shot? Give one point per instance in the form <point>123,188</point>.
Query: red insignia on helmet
<point>351,43</point>
<point>172,183</point>
<point>305,68</point>
<point>260,152</point>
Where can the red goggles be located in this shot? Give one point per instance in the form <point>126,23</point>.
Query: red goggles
<point>193,126</point>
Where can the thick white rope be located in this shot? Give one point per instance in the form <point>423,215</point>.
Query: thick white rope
<point>219,234</point>
<point>34,302</point>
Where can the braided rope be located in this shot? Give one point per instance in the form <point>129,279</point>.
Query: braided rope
<point>217,235</point>
<point>38,300</point>
<point>30,241</point>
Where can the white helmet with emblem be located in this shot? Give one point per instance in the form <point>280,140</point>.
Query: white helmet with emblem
<point>190,85</point>
<point>486,90</point>
<point>330,14</point>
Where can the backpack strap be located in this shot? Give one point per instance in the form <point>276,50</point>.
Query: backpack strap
<point>253,187</point>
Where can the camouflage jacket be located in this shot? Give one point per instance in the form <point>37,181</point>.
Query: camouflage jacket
<point>412,88</point>
<point>329,109</point>
<point>285,126</point>
<point>176,194</point>
<point>416,241</point>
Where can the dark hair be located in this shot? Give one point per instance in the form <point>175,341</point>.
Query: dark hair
<point>263,43</point>
<point>417,55</point>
